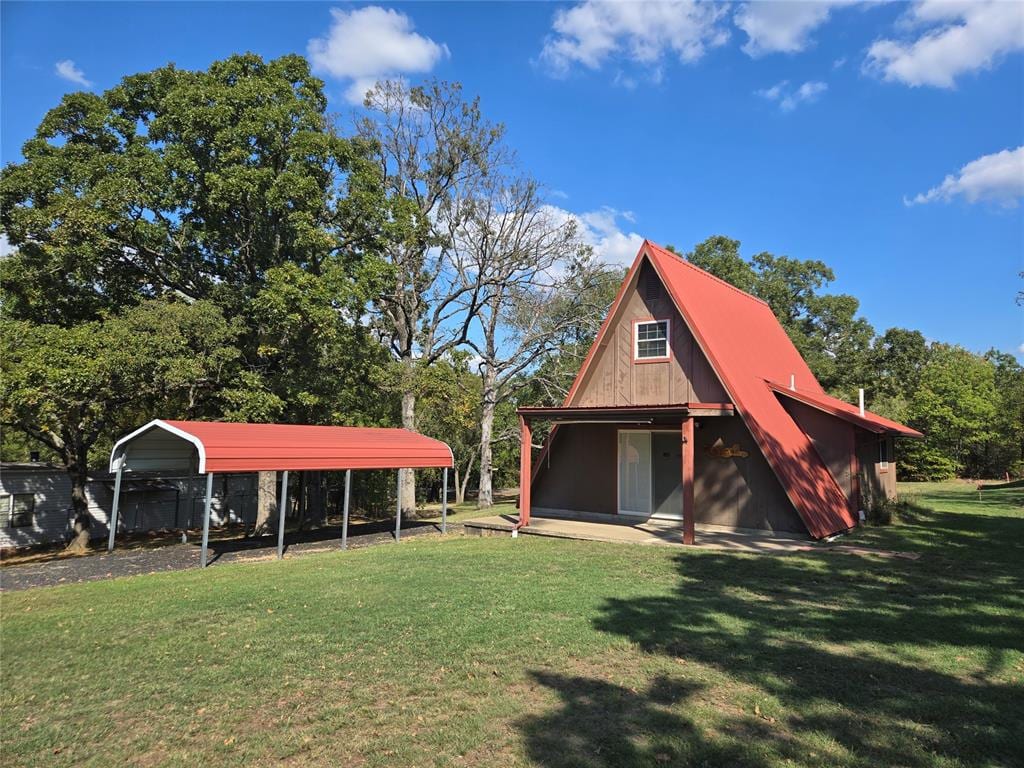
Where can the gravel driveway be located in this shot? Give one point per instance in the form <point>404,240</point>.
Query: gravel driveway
<point>177,557</point>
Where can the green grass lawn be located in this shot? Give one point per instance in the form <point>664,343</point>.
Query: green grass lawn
<point>541,652</point>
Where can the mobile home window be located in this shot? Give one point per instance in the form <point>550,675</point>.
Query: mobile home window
<point>883,454</point>
<point>16,510</point>
<point>651,340</point>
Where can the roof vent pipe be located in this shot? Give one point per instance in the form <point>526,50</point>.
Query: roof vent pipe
<point>860,395</point>
<point>792,381</point>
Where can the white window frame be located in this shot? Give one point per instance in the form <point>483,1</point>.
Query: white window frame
<point>636,340</point>
<point>8,499</point>
<point>883,450</point>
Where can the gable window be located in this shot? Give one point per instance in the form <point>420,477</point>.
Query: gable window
<point>650,340</point>
<point>16,510</point>
<point>883,454</point>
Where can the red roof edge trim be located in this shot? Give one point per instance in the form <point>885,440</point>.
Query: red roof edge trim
<point>846,411</point>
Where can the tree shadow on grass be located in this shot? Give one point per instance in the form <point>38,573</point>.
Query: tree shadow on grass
<point>856,661</point>
<point>600,724</point>
<point>979,537</point>
<point>849,650</point>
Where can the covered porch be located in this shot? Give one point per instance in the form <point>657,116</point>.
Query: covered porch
<point>655,464</point>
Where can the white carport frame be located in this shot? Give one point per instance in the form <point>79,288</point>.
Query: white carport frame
<point>196,462</point>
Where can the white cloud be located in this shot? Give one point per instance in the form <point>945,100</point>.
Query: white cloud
<point>600,230</point>
<point>1021,348</point>
<point>781,26</point>
<point>371,44</point>
<point>953,39</point>
<point>592,32</point>
<point>67,70</point>
<point>998,177</point>
<point>789,98</point>
<point>6,249</point>
<point>474,363</point>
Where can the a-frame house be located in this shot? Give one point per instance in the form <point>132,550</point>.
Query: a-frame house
<point>693,404</point>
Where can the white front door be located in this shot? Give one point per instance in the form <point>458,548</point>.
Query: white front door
<point>634,472</point>
<point>649,474</point>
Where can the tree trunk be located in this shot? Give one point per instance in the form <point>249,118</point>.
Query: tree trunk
<point>316,515</point>
<point>408,476</point>
<point>460,486</point>
<point>77,468</point>
<point>266,503</point>
<point>485,498</point>
<point>301,499</point>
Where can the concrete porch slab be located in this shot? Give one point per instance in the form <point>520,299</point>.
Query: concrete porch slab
<point>656,532</point>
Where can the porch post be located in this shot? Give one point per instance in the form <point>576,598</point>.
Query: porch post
<point>206,518</point>
<point>284,507</point>
<point>688,505</point>
<point>525,470</point>
<point>117,500</point>
<point>444,500</point>
<point>344,514</point>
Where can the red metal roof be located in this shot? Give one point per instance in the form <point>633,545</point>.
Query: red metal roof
<point>748,348</point>
<point>851,413</point>
<point>233,447</point>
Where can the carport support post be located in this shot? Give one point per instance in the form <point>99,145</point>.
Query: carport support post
<point>206,518</point>
<point>284,506</point>
<point>444,500</point>
<point>344,514</point>
<point>398,510</point>
<point>117,501</point>
<point>688,504</point>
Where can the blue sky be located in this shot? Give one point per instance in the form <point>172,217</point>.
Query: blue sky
<point>884,139</point>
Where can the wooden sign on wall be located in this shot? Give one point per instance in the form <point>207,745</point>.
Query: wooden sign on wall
<point>720,450</point>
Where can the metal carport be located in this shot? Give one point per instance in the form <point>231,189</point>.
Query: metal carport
<point>208,447</point>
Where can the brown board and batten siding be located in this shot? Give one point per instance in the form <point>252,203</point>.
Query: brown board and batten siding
<point>880,483</point>
<point>738,491</point>
<point>835,441</point>
<point>579,473</point>
<point>832,438</point>
<point>614,378</point>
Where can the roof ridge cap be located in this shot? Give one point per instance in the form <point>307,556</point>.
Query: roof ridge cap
<point>681,259</point>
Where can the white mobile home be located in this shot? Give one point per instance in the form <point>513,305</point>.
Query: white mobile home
<point>35,503</point>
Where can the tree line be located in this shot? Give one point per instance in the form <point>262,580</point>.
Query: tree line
<point>216,244</point>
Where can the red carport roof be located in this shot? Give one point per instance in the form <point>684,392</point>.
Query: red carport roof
<point>233,447</point>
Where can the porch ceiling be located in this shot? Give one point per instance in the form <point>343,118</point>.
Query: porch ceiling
<point>625,413</point>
